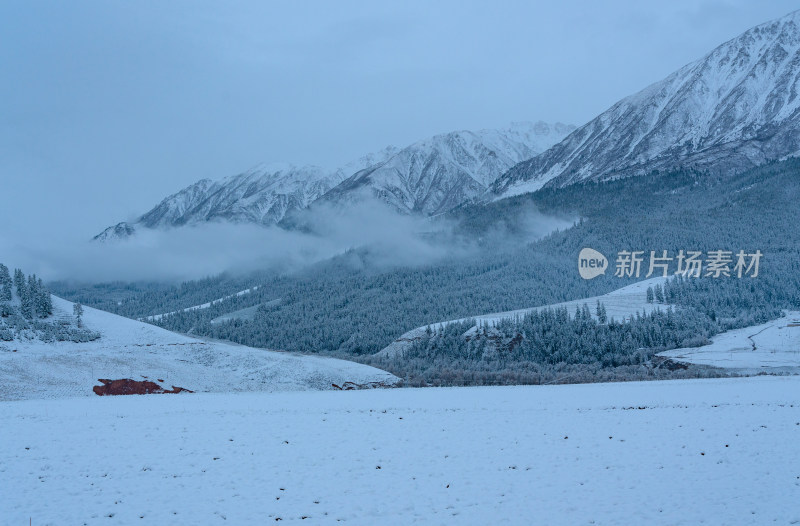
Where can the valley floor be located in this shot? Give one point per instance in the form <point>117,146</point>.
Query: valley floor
<point>680,452</point>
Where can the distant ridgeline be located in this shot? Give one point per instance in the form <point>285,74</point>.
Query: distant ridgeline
<point>26,312</point>
<point>351,306</point>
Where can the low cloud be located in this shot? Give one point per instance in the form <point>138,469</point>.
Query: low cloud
<point>388,238</point>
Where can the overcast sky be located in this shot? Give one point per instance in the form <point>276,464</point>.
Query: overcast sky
<point>106,107</point>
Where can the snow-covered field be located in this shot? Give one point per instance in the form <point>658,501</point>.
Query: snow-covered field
<point>620,304</point>
<point>680,452</point>
<point>135,350</point>
<point>772,346</point>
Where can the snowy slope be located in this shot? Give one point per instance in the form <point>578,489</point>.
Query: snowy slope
<point>131,349</point>
<point>677,453</point>
<point>769,347</point>
<point>444,171</point>
<point>620,304</point>
<point>734,108</point>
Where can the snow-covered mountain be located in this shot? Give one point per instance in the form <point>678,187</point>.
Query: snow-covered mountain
<point>429,176</point>
<point>119,231</point>
<point>437,174</point>
<point>735,108</point>
<point>263,195</point>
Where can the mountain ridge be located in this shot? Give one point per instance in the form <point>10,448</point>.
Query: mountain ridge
<point>734,108</point>
<point>439,173</point>
<point>427,177</point>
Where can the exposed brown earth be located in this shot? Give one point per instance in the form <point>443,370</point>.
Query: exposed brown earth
<point>126,386</point>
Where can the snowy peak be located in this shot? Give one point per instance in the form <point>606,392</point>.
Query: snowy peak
<point>119,231</point>
<point>437,174</point>
<point>735,108</point>
<point>261,195</point>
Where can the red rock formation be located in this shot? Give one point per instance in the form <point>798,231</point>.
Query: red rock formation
<point>127,386</point>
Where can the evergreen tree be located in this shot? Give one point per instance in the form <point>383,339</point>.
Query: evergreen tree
<point>602,317</point>
<point>659,294</point>
<point>43,304</point>
<point>25,294</point>
<point>77,310</point>
<point>19,282</point>
<point>5,283</point>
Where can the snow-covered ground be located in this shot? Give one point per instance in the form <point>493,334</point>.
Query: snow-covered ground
<point>135,350</point>
<point>680,452</point>
<point>772,346</point>
<point>620,304</point>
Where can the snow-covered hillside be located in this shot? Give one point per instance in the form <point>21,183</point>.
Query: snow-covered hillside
<point>620,304</point>
<point>442,172</point>
<point>673,453</point>
<point>135,350</point>
<point>429,176</point>
<point>735,108</point>
<point>770,347</point>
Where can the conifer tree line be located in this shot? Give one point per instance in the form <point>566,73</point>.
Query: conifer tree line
<point>26,309</point>
<point>549,344</point>
<point>34,298</point>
